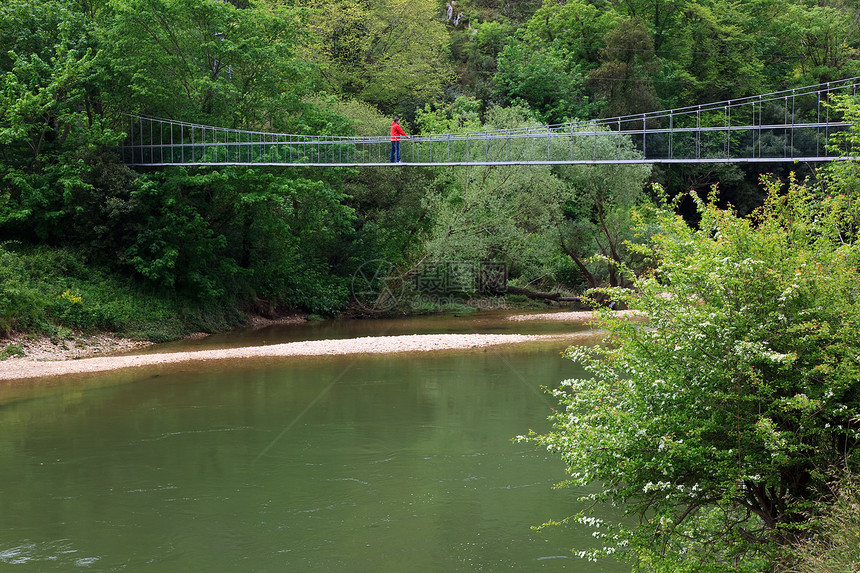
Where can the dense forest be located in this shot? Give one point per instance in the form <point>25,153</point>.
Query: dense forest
<point>86,243</point>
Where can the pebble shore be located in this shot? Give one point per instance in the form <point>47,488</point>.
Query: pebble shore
<point>20,368</point>
<point>40,349</point>
<point>40,357</point>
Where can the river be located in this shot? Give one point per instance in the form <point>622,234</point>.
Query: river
<point>386,463</point>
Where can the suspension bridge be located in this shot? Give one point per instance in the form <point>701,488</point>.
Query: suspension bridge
<point>794,125</point>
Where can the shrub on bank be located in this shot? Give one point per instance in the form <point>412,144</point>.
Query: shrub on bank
<point>44,289</point>
<point>18,298</point>
<point>716,426</point>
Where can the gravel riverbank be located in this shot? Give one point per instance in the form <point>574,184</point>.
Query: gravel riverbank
<point>20,368</point>
<point>39,357</point>
<point>574,317</point>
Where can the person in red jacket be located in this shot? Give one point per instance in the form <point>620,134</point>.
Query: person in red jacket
<point>396,133</point>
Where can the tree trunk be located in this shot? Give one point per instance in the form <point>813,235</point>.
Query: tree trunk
<point>590,278</point>
<point>547,296</point>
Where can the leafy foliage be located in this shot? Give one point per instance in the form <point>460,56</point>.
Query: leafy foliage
<point>44,290</point>
<point>17,297</point>
<point>627,65</point>
<point>546,65</point>
<point>717,57</point>
<point>387,53</point>
<point>596,229</point>
<point>206,61</point>
<point>46,128</point>
<point>545,222</point>
<point>490,213</point>
<point>717,424</point>
<point>823,41</point>
<point>843,177</point>
<point>225,238</point>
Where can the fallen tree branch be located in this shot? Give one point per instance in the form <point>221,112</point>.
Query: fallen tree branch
<point>548,296</point>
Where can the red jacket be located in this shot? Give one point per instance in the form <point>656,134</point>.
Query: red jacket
<point>397,131</point>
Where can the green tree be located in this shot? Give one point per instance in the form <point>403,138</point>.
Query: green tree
<point>35,29</point>
<point>493,213</point>
<point>207,62</point>
<point>824,41</point>
<point>48,126</point>
<point>718,422</point>
<point>233,237</point>
<point>478,49</point>
<point>661,16</point>
<point>717,54</point>
<point>596,228</point>
<point>544,81</point>
<point>255,238</point>
<point>240,236</point>
<point>392,54</point>
<point>547,223</point>
<point>627,66</point>
<point>545,65</point>
<point>575,28</point>
<point>388,205</point>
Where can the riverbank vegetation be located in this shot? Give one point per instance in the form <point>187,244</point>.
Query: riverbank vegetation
<point>753,271</point>
<point>245,240</point>
<point>727,425</point>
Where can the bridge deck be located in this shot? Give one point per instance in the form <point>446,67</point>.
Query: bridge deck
<point>495,163</point>
<point>790,126</point>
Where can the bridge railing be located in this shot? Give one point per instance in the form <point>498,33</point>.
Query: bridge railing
<point>791,125</point>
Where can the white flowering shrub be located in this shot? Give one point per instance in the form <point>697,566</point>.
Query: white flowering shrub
<point>718,421</point>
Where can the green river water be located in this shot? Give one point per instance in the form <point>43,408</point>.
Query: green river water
<point>397,463</point>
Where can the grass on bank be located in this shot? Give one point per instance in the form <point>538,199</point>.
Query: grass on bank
<point>48,291</point>
<point>835,548</point>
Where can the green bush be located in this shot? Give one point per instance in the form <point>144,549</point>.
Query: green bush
<point>716,425</point>
<point>47,290</point>
<point>18,299</point>
<point>11,350</point>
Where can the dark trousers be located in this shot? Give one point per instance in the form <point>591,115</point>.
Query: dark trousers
<point>395,151</point>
